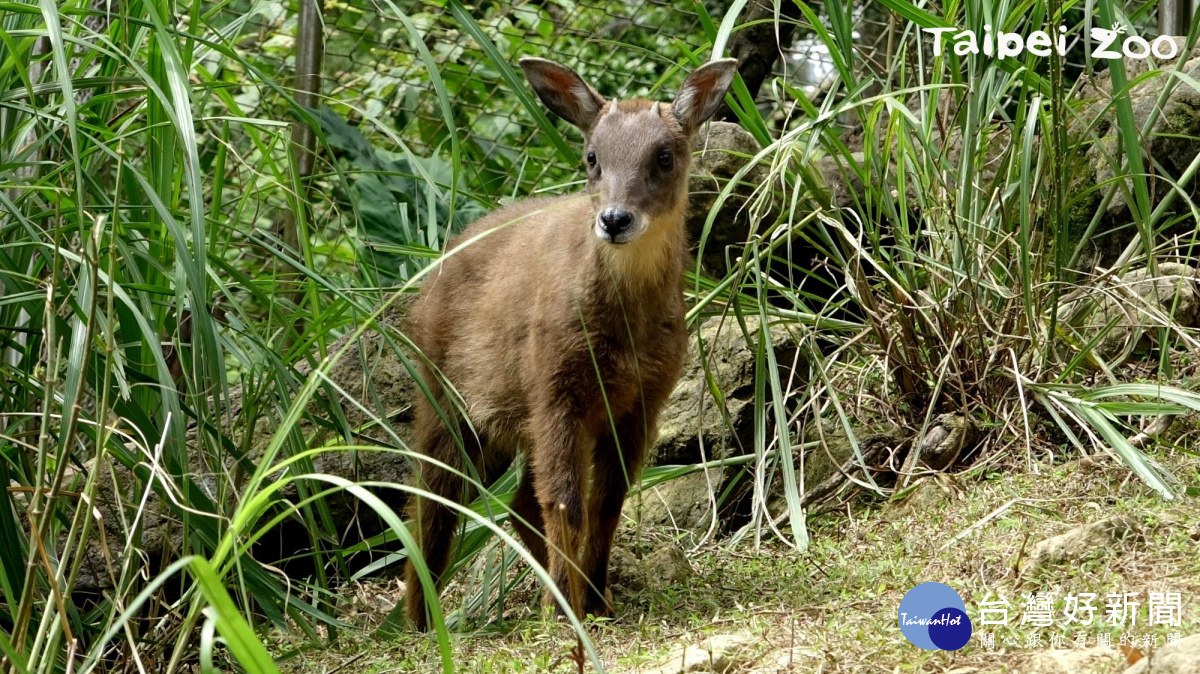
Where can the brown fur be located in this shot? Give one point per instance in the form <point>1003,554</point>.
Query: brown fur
<point>552,338</point>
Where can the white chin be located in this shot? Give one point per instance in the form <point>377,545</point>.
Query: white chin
<point>622,238</point>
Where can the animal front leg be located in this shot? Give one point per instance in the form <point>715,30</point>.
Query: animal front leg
<point>616,460</point>
<point>559,461</point>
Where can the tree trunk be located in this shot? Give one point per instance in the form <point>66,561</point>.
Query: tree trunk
<point>758,47</point>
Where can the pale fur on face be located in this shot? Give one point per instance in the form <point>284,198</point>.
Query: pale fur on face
<point>627,139</point>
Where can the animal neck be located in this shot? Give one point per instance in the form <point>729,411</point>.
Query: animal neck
<point>646,267</point>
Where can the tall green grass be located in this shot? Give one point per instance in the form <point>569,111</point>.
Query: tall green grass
<point>960,247</point>
<point>141,285</point>
<point>150,313</point>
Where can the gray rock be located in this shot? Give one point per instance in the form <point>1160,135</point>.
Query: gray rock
<point>668,565</point>
<point>372,375</point>
<point>1173,141</point>
<point>684,503</point>
<point>626,573</point>
<point>1171,660</point>
<point>1082,542</point>
<point>665,566</point>
<point>1132,303</point>
<point>824,467</point>
<point>1074,661</point>
<point>925,496</point>
<point>721,151</point>
<point>839,184</point>
<point>1137,67</point>
<point>718,654</point>
<point>948,151</point>
<point>949,435</point>
<point>695,426</point>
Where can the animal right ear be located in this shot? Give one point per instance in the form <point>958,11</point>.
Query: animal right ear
<point>564,92</point>
<point>703,92</point>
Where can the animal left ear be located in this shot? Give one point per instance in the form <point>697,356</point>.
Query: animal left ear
<point>703,92</point>
<point>564,92</point>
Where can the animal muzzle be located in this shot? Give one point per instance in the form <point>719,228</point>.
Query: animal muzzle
<point>616,225</point>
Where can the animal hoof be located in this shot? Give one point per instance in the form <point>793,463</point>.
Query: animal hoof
<point>550,604</point>
<point>601,607</point>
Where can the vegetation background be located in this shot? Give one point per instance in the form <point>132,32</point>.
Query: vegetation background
<point>177,281</point>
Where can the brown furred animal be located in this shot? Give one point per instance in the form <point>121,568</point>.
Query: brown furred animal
<point>559,327</point>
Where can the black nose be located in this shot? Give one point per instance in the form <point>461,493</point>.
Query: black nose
<point>615,220</point>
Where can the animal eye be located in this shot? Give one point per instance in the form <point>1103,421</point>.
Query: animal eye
<point>591,159</point>
<point>665,160</point>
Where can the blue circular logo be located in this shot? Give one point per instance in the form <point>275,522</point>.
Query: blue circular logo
<point>934,617</point>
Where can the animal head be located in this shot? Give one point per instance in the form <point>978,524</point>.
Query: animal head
<point>637,151</point>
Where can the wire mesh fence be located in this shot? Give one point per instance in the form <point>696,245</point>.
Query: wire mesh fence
<point>374,79</point>
<point>372,72</point>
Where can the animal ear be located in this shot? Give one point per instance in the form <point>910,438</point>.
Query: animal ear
<point>564,92</point>
<point>703,92</point>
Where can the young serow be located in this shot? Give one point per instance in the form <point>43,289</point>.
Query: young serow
<point>561,328</point>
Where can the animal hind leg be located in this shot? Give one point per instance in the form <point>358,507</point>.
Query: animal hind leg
<point>435,522</point>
